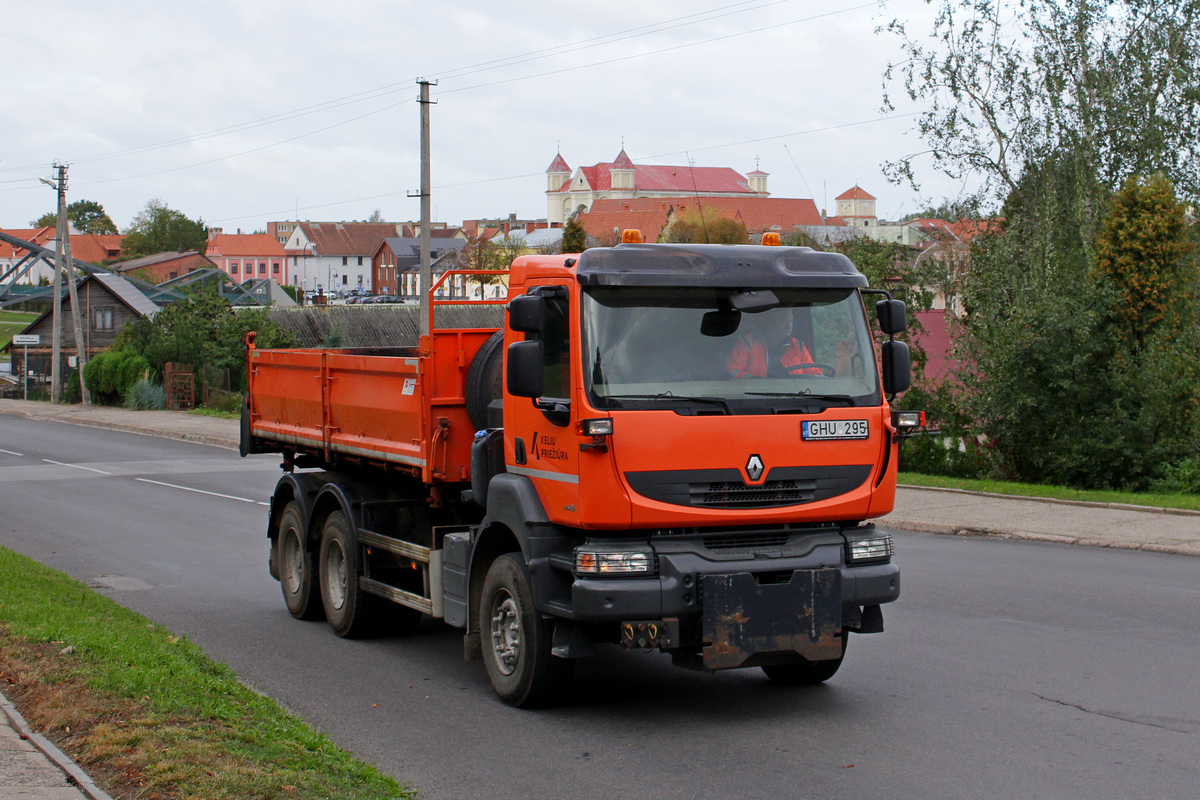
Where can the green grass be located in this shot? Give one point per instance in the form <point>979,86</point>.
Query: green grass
<point>214,412</point>
<point>192,728</point>
<point>1184,501</point>
<point>12,323</point>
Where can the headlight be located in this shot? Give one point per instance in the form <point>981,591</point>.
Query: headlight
<point>878,548</point>
<point>598,560</point>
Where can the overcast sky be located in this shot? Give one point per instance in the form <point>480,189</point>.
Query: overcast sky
<point>257,110</point>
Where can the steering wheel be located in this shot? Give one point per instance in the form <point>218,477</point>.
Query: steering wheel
<point>827,370</point>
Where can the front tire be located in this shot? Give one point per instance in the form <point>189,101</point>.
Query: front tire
<point>350,611</point>
<point>517,640</point>
<point>806,673</point>
<point>297,565</point>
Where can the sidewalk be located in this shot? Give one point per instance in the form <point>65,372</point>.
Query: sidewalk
<point>32,768</point>
<point>31,773</point>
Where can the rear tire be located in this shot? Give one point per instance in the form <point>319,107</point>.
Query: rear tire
<point>350,611</point>
<point>516,639</point>
<point>806,673</point>
<point>297,565</point>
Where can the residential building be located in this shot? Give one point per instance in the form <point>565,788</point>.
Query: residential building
<point>335,256</point>
<point>571,191</point>
<point>396,263</point>
<point>107,302</point>
<point>247,256</point>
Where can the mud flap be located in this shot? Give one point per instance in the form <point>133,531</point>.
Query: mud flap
<point>743,618</point>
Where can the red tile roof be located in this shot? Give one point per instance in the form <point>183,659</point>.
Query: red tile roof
<point>348,238</point>
<point>622,161</point>
<point>89,247</point>
<point>94,248</point>
<point>650,214</point>
<point>855,194</point>
<point>244,245</point>
<point>682,180</point>
<point>559,164</point>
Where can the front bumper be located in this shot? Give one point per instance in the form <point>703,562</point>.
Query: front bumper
<point>741,606</point>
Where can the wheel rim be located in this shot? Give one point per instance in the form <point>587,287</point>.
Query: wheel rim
<point>335,572</point>
<point>293,561</point>
<point>506,632</point>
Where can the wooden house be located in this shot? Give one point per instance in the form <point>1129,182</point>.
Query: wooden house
<point>108,302</point>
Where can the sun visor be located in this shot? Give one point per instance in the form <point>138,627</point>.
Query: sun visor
<point>716,265</point>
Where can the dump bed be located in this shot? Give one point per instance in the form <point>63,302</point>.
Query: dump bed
<point>388,407</point>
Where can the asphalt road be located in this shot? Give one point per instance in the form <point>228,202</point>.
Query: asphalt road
<point>1008,669</point>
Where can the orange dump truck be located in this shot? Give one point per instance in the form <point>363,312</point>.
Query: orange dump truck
<point>656,447</point>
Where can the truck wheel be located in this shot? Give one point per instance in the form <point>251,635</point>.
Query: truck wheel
<point>484,379</point>
<point>516,640</point>
<point>297,567</point>
<point>806,673</point>
<point>348,609</point>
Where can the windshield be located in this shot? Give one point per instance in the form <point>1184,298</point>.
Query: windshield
<point>787,351</point>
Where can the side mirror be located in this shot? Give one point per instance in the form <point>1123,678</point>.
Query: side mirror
<point>897,367</point>
<point>527,313</point>
<point>525,368</point>
<point>891,315</point>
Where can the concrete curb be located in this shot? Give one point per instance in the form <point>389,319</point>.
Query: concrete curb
<point>75,776</point>
<point>999,533</point>
<point>1186,512</point>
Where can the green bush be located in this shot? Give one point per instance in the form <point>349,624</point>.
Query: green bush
<point>110,374</point>
<point>1182,477</point>
<point>145,394</point>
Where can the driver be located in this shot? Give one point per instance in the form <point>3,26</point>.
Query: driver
<point>767,349</point>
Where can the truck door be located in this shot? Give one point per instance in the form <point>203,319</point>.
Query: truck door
<point>545,447</point>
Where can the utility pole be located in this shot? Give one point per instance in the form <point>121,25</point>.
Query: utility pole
<point>426,276</point>
<point>64,262</point>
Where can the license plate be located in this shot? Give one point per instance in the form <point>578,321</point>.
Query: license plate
<point>835,429</point>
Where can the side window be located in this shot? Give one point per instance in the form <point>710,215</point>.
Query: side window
<point>556,345</point>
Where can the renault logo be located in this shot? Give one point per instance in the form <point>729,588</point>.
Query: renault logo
<point>754,468</point>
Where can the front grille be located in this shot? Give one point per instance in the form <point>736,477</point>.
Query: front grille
<point>740,541</point>
<point>727,489</point>
<point>740,495</point>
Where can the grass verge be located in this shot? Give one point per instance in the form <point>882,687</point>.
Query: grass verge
<point>1189,502</point>
<point>145,713</point>
<point>215,412</point>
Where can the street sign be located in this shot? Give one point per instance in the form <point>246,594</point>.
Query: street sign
<point>27,338</point>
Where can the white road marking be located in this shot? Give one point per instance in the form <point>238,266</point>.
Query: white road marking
<point>11,452</point>
<point>200,491</point>
<point>75,466</point>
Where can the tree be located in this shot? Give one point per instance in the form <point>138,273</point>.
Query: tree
<point>698,227</point>
<point>203,331</point>
<point>159,229</point>
<point>1143,257</point>
<point>376,216</point>
<point>574,237</point>
<point>1005,86</point>
<point>88,216</point>
<point>1053,104</point>
<point>1060,394</point>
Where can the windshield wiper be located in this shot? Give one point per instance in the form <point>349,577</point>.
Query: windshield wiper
<point>839,398</point>
<point>716,401</point>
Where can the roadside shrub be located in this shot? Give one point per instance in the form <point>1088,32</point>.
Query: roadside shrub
<point>144,395</point>
<point>1182,477</point>
<point>110,374</point>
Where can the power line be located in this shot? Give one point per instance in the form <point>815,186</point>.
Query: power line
<point>392,88</point>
